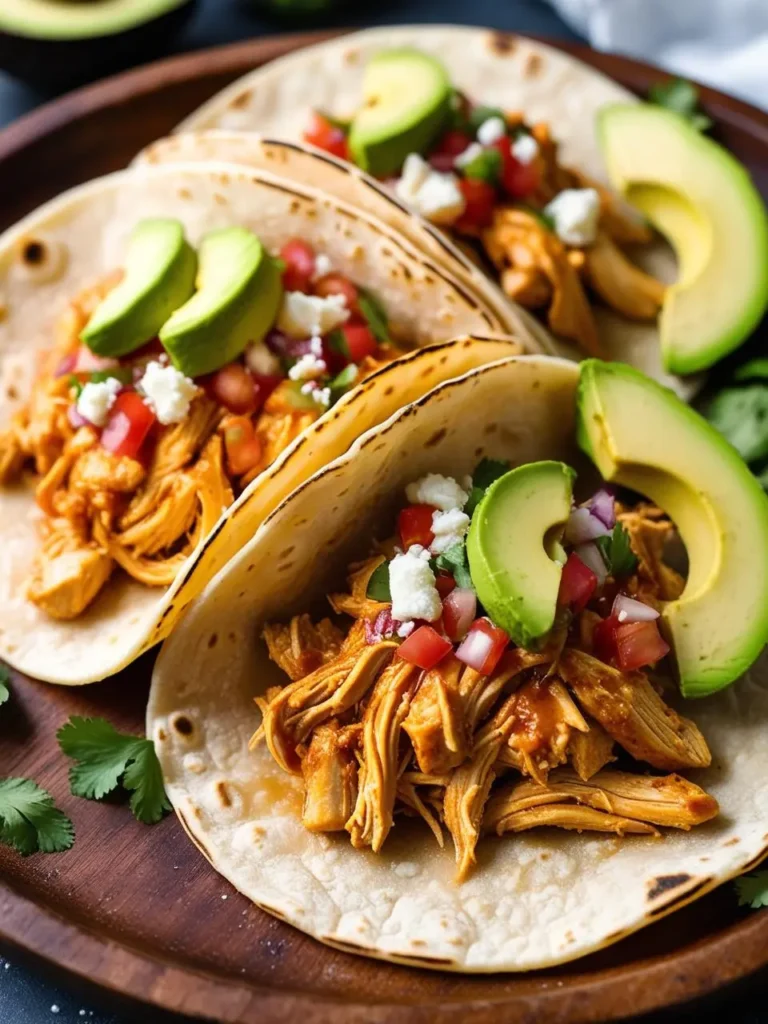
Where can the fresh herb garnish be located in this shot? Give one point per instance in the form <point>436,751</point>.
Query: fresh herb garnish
<point>374,313</point>
<point>455,562</point>
<point>616,551</point>
<point>105,758</point>
<point>741,416</point>
<point>479,115</point>
<point>486,472</point>
<point>76,384</point>
<point>30,821</point>
<point>544,218</point>
<point>5,680</point>
<point>752,890</point>
<point>378,584</point>
<point>337,122</point>
<point>486,166</point>
<point>683,98</point>
<point>343,381</point>
<point>338,343</point>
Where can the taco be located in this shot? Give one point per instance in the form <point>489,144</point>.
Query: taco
<point>497,140</point>
<point>440,710</point>
<point>159,365</point>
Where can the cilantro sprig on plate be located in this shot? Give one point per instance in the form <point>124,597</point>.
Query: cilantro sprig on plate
<point>5,680</point>
<point>752,890</point>
<point>682,98</point>
<point>30,821</point>
<point>106,758</point>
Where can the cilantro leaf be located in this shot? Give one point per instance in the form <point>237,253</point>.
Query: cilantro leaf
<point>5,679</point>
<point>486,472</point>
<point>343,381</point>
<point>741,416</point>
<point>105,757</point>
<point>30,822</point>
<point>544,218</point>
<point>486,166</point>
<point>617,553</point>
<point>752,890</point>
<point>455,561</point>
<point>374,313</point>
<point>378,584</point>
<point>682,98</point>
<point>479,115</point>
<point>338,343</point>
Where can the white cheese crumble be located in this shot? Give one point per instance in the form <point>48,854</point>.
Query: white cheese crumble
<point>304,316</point>
<point>449,528</point>
<point>322,396</point>
<point>473,149</point>
<point>259,359</point>
<point>322,265</point>
<point>405,629</point>
<point>167,392</point>
<point>491,131</point>
<point>441,491</point>
<point>433,194</point>
<point>96,399</point>
<point>525,149</point>
<point>308,367</point>
<point>575,212</point>
<point>412,586</point>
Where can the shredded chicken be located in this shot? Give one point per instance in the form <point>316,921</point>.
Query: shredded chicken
<point>436,723</point>
<point>330,778</point>
<point>620,283</point>
<point>631,711</point>
<point>301,647</point>
<point>68,571</point>
<point>649,531</point>
<point>278,426</point>
<point>590,751</point>
<point>479,693</point>
<point>409,794</point>
<point>570,816</point>
<point>356,603</point>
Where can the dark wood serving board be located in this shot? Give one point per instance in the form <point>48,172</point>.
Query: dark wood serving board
<point>137,909</point>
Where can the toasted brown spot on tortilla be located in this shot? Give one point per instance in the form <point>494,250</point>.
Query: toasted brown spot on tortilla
<point>184,193</point>
<point>251,567</point>
<point>33,252</point>
<point>570,937</point>
<point>240,101</point>
<point>183,725</point>
<point>288,551</point>
<point>3,311</point>
<point>478,452</point>
<point>219,198</point>
<point>666,883</point>
<point>11,391</point>
<point>436,438</point>
<point>533,65</point>
<point>162,735</point>
<point>259,832</point>
<point>221,789</point>
<point>352,56</point>
<point>213,639</point>
<point>389,391</point>
<point>427,371</point>
<point>502,43</point>
<point>241,595</point>
<point>544,856</point>
<point>491,428</point>
<point>286,567</point>
<point>231,637</point>
<point>224,178</point>
<point>167,612</point>
<point>732,841</point>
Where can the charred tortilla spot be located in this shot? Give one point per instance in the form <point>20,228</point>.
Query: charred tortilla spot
<point>286,567</point>
<point>502,43</point>
<point>231,637</point>
<point>389,391</point>
<point>352,56</point>
<point>219,198</point>
<point>666,883</point>
<point>491,428</point>
<point>11,391</point>
<point>223,792</point>
<point>240,101</point>
<point>184,193</point>
<point>182,725</point>
<point>732,841</point>
<point>478,452</point>
<point>436,438</point>
<point>167,612</point>
<point>33,253</point>
<point>162,735</point>
<point>213,639</point>
<point>427,372</point>
<point>533,65</point>
<point>251,567</point>
<point>287,552</point>
<point>3,311</point>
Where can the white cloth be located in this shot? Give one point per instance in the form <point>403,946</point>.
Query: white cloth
<point>723,43</point>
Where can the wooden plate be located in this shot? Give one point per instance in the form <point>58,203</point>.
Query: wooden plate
<point>137,909</point>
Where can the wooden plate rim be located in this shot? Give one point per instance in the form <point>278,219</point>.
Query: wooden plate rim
<point>42,934</point>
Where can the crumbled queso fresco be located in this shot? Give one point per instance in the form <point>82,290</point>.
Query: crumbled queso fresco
<point>322,265</point>
<point>96,399</point>
<point>412,586</point>
<point>491,131</point>
<point>302,316</point>
<point>434,194</point>
<point>575,212</point>
<point>449,528</point>
<point>308,367</point>
<point>441,491</point>
<point>167,392</point>
<point>259,359</point>
<point>525,148</point>
<point>473,150</point>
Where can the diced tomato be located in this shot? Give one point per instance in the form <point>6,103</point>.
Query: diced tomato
<point>518,179</point>
<point>232,386</point>
<point>442,162</point>
<point>337,284</point>
<point>459,610</point>
<point>639,644</point>
<point>299,259</point>
<point>577,584</point>
<point>414,524</point>
<point>325,135</point>
<point>130,420</point>
<point>480,199</point>
<point>444,584</point>
<point>483,646</point>
<point>360,341</point>
<point>604,640</point>
<point>243,447</point>
<point>263,386</point>
<point>452,143</point>
<point>424,648</point>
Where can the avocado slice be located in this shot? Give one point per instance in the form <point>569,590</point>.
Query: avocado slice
<point>515,530</point>
<point>641,435</point>
<point>238,296</point>
<point>406,100</point>
<point>160,268</point>
<point>704,202</point>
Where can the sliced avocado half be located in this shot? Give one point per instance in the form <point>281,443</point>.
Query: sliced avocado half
<point>639,434</point>
<point>704,202</point>
<point>406,100</point>
<point>78,19</point>
<point>515,530</point>
<point>160,267</point>
<point>239,293</point>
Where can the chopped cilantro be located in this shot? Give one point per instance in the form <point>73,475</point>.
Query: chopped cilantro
<point>76,384</point>
<point>752,890</point>
<point>5,679</point>
<point>343,381</point>
<point>486,472</point>
<point>374,313</point>
<point>741,416</point>
<point>486,166</point>
<point>378,584</point>
<point>617,553</point>
<point>30,822</point>
<point>338,343</point>
<point>479,115</point>
<point>455,561</point>
<point>541,216</point>
<point>106,757</point>
<point>682,98</point>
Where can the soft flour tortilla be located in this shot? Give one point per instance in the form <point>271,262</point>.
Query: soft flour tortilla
<point>535,899</point>
<point>493,68</point>
<point>85,234</point>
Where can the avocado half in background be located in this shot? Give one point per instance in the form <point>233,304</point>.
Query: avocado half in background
<point>60,43</point>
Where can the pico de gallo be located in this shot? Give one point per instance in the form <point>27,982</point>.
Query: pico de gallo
<point>411,701</point>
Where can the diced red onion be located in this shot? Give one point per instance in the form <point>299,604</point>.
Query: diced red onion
<point>474,649</point>
<point>591,557</point>
<point>461,606</point>
<point>76,418</point>
<point>603,505</point>
<point>67,365</point>
<point>583,526</point>
<point>383,626</point>
<point>627,609</point>
<point>442,161</point>
<point>88,362</point>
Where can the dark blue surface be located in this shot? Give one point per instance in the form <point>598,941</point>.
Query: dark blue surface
<point>29,995</point>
